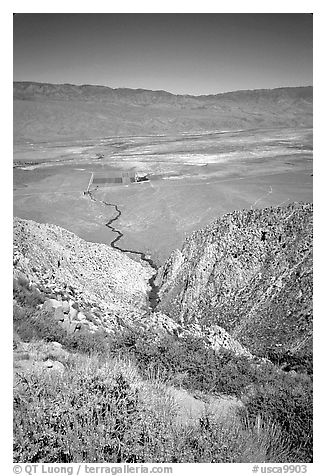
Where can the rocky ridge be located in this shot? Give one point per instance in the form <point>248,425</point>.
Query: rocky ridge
<point>243,283</point>
<point>91,287</point>
<point>249,273</point>
<point>58,111</point>
<point>87,282</point>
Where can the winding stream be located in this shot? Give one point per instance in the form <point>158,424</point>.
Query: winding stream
<point>153,296</point>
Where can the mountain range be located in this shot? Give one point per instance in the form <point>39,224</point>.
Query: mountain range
<point>64,111</point>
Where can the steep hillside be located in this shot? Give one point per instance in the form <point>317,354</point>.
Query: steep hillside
<point>49,111</point>
<point>171,385</point>
<point>91,287</point>
<point>104,284</point>
<point>249,272</point>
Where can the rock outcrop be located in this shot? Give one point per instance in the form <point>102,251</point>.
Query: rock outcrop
<point>250,274</point>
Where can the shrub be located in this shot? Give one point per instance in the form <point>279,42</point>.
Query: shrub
<point>87,343</point>
<point>288,401</point>
<point>283,398</point>
<point>26,295</point>
<point>301,362</point>
<point>58,419</point>
<point>81,417</point>
<point>202,368</point>
<point>106,414</point>
<point>31,324</point>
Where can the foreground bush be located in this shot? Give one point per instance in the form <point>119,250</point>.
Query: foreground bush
<point>93,420</point>
<point>95,414</point>
<point>288,401</point>
<point>107,414</point>
<point>283,398</point>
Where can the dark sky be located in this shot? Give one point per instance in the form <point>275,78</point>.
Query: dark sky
<point>180,53</point>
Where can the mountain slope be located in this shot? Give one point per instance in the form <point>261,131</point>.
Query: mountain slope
<point>155,374</point>
<point>249,272</point>
<point>103,282</point>
<point>50,111</point>
<point>243,283</point>
<point>92,287</point>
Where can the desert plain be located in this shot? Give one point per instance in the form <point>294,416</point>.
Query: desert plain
<point>193,178</point>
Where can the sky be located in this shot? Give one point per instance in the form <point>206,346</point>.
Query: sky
<point>180,53</point>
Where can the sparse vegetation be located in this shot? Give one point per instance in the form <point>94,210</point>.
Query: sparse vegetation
<point>108,399</point>
<point>301,362</point>
<point>288,401</point>
<point>283,397</point>
<point>58,418</point>
<point>108,414</point>
<point>32,323</point>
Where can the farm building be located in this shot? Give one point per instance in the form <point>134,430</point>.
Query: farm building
<point>114,177</point>
<point>118,177</point>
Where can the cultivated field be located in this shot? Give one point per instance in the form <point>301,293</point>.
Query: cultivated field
<point>193,179</point>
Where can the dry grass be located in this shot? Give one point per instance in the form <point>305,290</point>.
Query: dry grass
<point>105,412</point>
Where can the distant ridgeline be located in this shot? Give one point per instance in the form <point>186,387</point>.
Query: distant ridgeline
<point>56,111</point>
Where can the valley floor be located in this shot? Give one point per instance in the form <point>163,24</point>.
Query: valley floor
<point>193,179</point>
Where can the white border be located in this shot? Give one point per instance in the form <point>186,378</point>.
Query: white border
<point>319,185</point>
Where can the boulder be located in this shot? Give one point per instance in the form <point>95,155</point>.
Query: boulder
<point>65,324</point>
<point>65,307</point>
<point>73,313</point>
<point>57,352</point>
<point>58,314</point>
<point>81,317</point>
<point>52,303</point>
<point>54,365</point>
<point>56,345</point>
<point>48,363</point>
